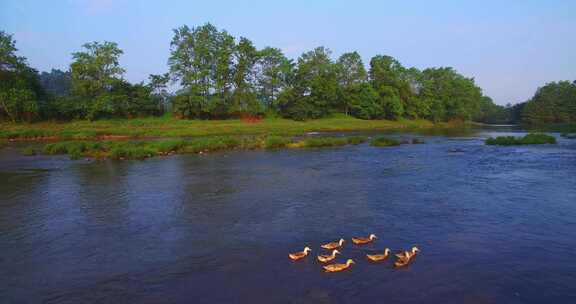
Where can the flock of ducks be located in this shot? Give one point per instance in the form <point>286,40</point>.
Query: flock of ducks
<point>403,258</point>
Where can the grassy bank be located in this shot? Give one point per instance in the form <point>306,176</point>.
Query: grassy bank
<point>168,127</point>
<point>144,149</point>
<point>529,139</point>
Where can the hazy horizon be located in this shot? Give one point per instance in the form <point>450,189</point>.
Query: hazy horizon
<point>509,48</point>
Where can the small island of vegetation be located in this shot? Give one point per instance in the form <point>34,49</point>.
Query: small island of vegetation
<point>123,150</point>
<point>529,139</point>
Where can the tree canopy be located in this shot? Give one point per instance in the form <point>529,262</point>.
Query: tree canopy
<point>554,103</point>
<point>20,91</point>
<point>219,76</point>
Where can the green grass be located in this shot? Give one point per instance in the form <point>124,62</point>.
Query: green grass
<point>144,149</point>
<point>29,151</point>
<point>168,127</point>
<point>276,142</point>
<point>132,152</point>
<point>382,141</point>
<point>168,146</point>
<point>356,140</point>
<point>75,149</point>
<point>212,144</point>
<point>529,139</point>
<point>319,142</point>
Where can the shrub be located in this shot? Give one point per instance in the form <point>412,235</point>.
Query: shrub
<point>58,148</point>
<point>356,140</point>
<point>382,141</point>
<point>537,139</point>
<point>251,143</point>
<point>318,142</point>
<point>275,142</point>
<point>529,139</point>
<point>132,152</point>
<point>29,151</point>
<point>296,144</point>
<point>502,141</point>
<point>212,144</point>
<point>76,149</point>
<point>167,146</point>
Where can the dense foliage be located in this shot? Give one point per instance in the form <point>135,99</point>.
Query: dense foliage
<point>224,78</point>
<point>382,141</point>
<point>98,89</point>
<point>56,82</point>
<point>21,95</point>
<point>93,87</point>
<point>554,103</point>
<point>219,76</point>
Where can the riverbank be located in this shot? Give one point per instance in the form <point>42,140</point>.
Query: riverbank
<point>168,127</point>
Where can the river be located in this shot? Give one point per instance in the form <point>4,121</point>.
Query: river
<point>494,225</point>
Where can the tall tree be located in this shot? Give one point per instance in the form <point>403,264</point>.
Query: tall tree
<point>315,90</point>
<point>275,71</point>
<point>451,95</point>
<point>200,61</point>
<point>411,88</point>
<point>96,68</point>
<point>385,74</point>
<point>223,71</point>
<point>20,90</point>
<point>244,98</point>
<point>159,88</point>
<point>351,75</point>
<point>351,70</point>
<point>94,72</point>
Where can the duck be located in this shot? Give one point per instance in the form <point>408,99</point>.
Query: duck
<point>299,255</point>
<point>401,263</point>
<point>406,257</point>
<point>379,257</point>
<point>333,245</point>
<point>338,267</point>
<point>408,254</point>
<point>363,240</point>
<point>328,257</point>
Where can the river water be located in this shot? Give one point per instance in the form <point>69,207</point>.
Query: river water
<point>494,225</point>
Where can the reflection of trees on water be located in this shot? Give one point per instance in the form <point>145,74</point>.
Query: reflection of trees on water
<point>101,190</point>
<point>16,207</point>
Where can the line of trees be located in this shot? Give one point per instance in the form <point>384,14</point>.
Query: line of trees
<point>221,77</point>
<point>92,88</point>
<point>554,103</point>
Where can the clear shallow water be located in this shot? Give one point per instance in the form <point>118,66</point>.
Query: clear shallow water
<point>495,224</point>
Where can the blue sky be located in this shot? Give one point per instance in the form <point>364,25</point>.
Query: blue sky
<point>510,47</point>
